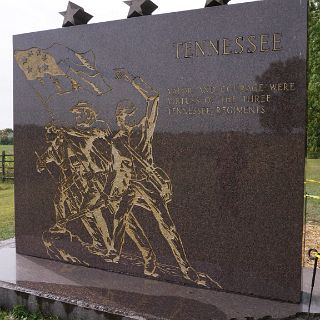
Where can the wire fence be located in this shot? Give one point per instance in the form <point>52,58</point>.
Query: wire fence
<point>7,166</point>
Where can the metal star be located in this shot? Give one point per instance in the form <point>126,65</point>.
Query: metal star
<point>140,8</point>
<point>75,15</point>
<point>213,3</point>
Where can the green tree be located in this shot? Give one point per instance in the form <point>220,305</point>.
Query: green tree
<point>6,136</point>
<point>314,77</point>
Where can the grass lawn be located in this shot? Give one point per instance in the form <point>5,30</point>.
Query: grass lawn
<point>21,313</point>
<point>313,205</point>
<point>6,210</point>
<point>6,203</point>
<point>8,149</point>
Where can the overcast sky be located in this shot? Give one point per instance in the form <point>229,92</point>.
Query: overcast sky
<point>36,15</point>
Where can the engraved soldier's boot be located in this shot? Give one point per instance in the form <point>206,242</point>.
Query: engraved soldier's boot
<point>189,273</point>
<point>113,256</point>
<point>207,281</point>
<point>150,265</point>
<point>97,248</point>
<point>199,278</point>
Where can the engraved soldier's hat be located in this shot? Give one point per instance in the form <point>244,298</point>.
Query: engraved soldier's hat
<point>86,116</point>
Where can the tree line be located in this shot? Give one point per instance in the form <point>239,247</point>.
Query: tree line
<point>314,79</point>
<point>6,136</point>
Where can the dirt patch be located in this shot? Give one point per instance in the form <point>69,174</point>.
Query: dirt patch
<point>312,240</point>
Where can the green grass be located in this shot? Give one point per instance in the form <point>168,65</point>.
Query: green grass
<point>313,205</point>
<point>7,148</point>
<point>6,210</point>
<point>21,313</point>
<point>6,202</point>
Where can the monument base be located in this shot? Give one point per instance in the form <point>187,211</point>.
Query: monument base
<point>73,292</point>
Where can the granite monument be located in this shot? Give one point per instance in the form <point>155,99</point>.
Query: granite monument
<point>168,146</point>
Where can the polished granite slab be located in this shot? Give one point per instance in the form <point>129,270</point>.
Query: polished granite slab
<point>138,298</point>
<point>168,146</point>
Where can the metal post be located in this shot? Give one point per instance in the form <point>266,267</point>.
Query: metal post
<point>3,165</point>
<point>305,226</point>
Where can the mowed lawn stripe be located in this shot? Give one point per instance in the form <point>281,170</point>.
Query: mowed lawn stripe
<point>6,211</point>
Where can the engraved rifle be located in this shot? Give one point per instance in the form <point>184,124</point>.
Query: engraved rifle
<point>157,176</point>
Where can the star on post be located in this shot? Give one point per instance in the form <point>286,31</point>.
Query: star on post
<point>140,8</point>
<point>75,15</point>
<point>213,3</point>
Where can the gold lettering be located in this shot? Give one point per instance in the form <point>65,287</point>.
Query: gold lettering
<point>257,98</point>
<point>251,110</point>
<point>226,46</point>
<point>215,47</point>
<point>277,42</point>
<point>199,48</point>
<point>188,50</point>
<point>264,41</point>
<point>240,45</point>
<point>282,86</point>
<point>254,47</point>
<point>207,89</point>
<point>260,88</point>
<point>231,99</point>
<point>177,49</point>
<point>273,87</point>
<point>170,101</point>
<point>209,100</point>
<point>179,91</point>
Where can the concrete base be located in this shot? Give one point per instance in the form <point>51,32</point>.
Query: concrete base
<point>73,292</point>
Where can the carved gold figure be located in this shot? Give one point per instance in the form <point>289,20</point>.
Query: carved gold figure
<point>137,181</point>
<point>83,170</point>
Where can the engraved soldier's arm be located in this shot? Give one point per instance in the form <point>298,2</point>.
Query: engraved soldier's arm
<point>142,87</point>
<point>45,158</point>
<point>151,96</point>
<point>148,93</point>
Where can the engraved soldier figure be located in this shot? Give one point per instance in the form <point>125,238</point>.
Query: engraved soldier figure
<point>96,177</point>
<point>83,172</point>
<point>57,153</point>
<point>137,181</point>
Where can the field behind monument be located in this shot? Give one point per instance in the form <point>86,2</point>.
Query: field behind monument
<point>7,148</point>
<point>6,210</point>
<point>312,188</point>
<point>6,202</point>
